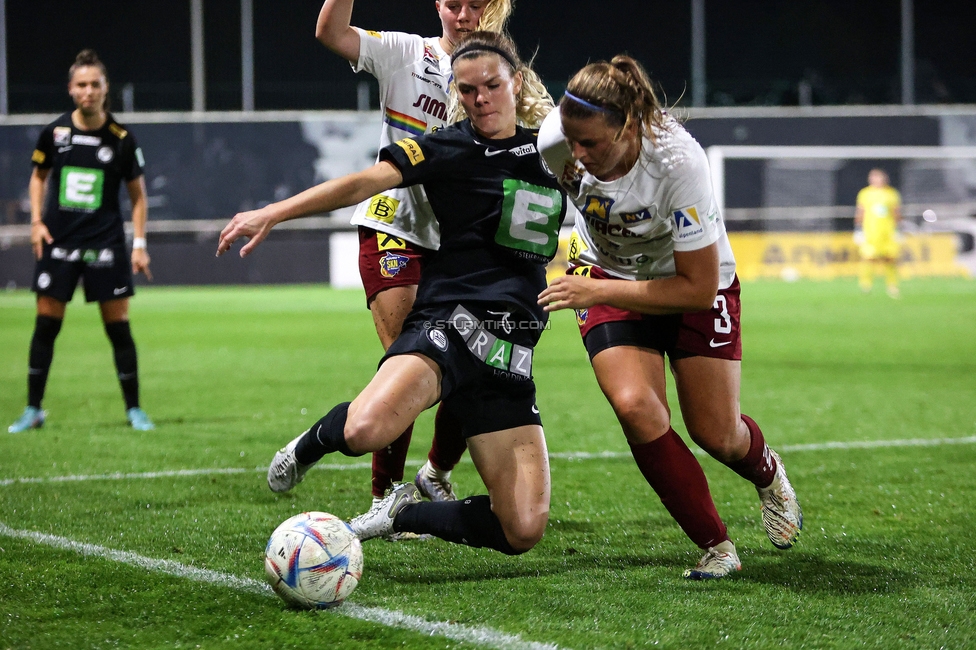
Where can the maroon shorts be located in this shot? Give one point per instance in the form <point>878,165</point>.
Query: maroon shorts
<point>386,261</point>
<point>711,332</point>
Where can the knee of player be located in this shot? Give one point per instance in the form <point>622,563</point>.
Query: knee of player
<point>361,427</point>
<point>637,406</point>
<point>523,533</point>
<point>721,440</point>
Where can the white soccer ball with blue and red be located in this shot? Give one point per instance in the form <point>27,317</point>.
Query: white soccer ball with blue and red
<point>313,560</point>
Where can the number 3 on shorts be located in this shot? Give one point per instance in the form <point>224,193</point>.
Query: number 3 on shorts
<point>723,324</point>
<point>530,218</point>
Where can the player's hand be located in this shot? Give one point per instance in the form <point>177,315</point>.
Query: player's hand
<point>140,263</point>
<point>255,225</point>
<point>39,236</point>
<point>570,292</point>
<point>859,237</point>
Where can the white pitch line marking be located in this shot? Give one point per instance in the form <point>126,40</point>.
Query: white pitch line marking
<point>120,476</point>
<point>483,636</point>
<point>817,446</point>
<point>565,455</point>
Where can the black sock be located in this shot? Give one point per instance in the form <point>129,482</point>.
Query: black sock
<point>325,437</point>
<point>125,361</point>
<point>39,362</point>
<point>469,521</point>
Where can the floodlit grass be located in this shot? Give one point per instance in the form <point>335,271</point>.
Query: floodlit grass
<point>231,374</point>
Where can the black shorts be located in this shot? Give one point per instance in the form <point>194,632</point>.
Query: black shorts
<point>106,272</point>
<point>485,353</point>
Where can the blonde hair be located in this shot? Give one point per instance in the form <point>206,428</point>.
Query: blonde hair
<point>620,91</point>
<point>533,102</point>
<point>495,16</point>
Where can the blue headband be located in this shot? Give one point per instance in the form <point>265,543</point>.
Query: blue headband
<point>592,107</point>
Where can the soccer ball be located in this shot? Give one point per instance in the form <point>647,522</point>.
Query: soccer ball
<point>313,560</point>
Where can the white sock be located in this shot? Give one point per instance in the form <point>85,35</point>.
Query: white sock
<point>432,472</point>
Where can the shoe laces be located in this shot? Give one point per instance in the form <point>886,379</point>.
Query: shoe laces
<point>713,557</point>
<point>442,487</point>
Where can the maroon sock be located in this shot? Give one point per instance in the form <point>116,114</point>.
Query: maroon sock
<point>673,472</point>
<point>448,445</point>
<point>758,466</point>
<point>388,463</point>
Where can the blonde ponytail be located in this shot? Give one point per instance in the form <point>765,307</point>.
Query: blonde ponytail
<point>495,16</point>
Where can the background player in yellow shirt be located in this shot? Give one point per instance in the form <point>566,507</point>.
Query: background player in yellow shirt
<point>876,230</point>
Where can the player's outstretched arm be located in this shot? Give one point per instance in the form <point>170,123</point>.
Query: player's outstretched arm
<point>325,197</point>
<point>334,29</point>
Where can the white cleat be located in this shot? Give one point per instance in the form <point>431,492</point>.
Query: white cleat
<point>378,521</point>
<point>781,513</point>
<point>719,561</point>
<point>285,471</point>
<point>433,487</point>
<point>400,537</point>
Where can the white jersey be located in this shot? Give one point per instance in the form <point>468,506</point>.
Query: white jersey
<point>413,74</point>
<point>631,227</point>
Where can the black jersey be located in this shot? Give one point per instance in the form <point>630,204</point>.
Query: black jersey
<point>81,207</point>
<point>498,209</point>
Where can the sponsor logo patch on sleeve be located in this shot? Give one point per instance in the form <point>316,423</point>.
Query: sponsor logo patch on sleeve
<point>38,157</point>
<point>412,149</point>
<point>374,34</point>
<point>687,222</point>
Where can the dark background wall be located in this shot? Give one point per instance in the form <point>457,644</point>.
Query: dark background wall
<point>758,50</point>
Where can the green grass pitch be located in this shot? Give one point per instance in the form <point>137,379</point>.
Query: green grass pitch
<point>886,559</point>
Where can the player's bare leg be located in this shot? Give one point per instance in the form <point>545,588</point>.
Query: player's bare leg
<point>403,388</point>
<point>633,381</point>
<point>710,409</point>
<point>522,504</point>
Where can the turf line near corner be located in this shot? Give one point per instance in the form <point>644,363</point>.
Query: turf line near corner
<point>565,455</point>
<point>482,636</point>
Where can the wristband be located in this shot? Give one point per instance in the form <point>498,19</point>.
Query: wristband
<point>139,242</point>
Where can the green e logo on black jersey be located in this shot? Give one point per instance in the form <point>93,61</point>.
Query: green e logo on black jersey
<point>81,188</point>
<point>530,218</point>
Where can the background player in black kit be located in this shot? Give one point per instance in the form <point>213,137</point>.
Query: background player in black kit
<point>469,338</point>
<point>81,160</point>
